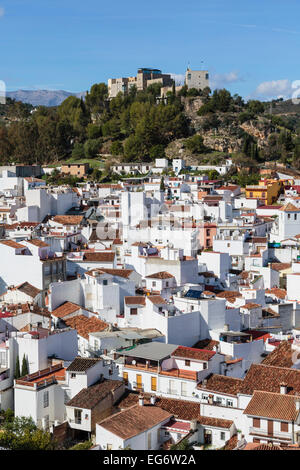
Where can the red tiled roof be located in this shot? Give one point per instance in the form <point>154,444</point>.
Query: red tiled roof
<point>135,300</point>
<point>193,353</point>
<point>281,356</point>
<point>134,420</point>
<point>272,405</point>
<point>65,309</point>
<point>222,384</point>
<point>85,325</point>
<point>268,378</point>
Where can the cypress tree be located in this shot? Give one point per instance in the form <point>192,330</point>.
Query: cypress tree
<point>17,371</point>
<point>24,366</point>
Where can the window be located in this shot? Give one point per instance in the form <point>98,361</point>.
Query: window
<point>284,427</point>
<point>295,216</point>
<point>256,422</point>
<point>73,376</point>
<point>105,282</point>
<point>187,362</point>
<point>133,311</point>
<point>125,377</point>
<point>153,384</point>
<point>289,216</point>
<point>153,283</point>
<point>46,399</point>
<point>222,436</point>
<point>77,414</point>
<point>204,365</point>
<point>184,391</point>
<point>229,402</point>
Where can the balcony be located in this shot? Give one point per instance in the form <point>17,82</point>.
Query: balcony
<point>141,366</point>
<point>181,374</point>
<point>284,436</point>
<point>138,386</point>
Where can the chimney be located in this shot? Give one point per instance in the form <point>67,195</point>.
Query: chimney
<point>283,388</point>
<point>194,425</point>
<point>141,400</point>
<point>152,399</point>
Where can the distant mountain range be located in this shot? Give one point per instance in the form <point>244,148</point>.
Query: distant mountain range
<point>42,97</point>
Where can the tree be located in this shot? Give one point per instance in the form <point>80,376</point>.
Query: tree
<point>92,147</point>
<point>22,434</point>
<point>195,144</point>
<point>86,445</point>
<point>78,151</point>
<point>17,370</point>
<point>116,148</point>
<point>162,184</point>
<point>25,370</point>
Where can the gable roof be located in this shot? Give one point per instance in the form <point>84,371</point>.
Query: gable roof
<point>268,378</point>
<point>12,244</point>
<point>222,384</point>
<point>82,364</point>
<point>281,356</point>
<point>156,299</point>
<point>160,275</point>
<point>135,300</point>
<point>134,420</point>
<point>28,289</point>
<point>85,325</point>
<point>89,397</point>
<point>65,309</point>
<point>289,207</point>
<point>193,353</point>
<point>272,405</point>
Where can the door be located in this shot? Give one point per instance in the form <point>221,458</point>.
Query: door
<point>153,384</point>
<point>139,382</point>
<point>270,428</point>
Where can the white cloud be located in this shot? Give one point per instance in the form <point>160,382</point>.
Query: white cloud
<point>274,89</point>
<point>221,80</point>
<point>2,11</point>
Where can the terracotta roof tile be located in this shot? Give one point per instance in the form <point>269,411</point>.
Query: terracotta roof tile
<point>66,309</point>
<point>135,300</point>
<point>221,384</point>
<point>268,378</point>
<point>272,405</point>
<point>89,397</point>
<point>134,420</point>
<point>281,356</point>
<point>85,325</point>
<point>193,353</point>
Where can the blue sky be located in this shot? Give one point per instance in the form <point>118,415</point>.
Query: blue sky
<point>249,47</point>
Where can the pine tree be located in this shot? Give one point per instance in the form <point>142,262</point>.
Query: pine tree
<point>24,366</point>
<point>17,371</point>
<point>162,184</point>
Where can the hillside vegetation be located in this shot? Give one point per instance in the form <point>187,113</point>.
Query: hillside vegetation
<point>202,127</point>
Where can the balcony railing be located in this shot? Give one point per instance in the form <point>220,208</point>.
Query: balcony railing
<point>275,434</point>
<point>138,386</point>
